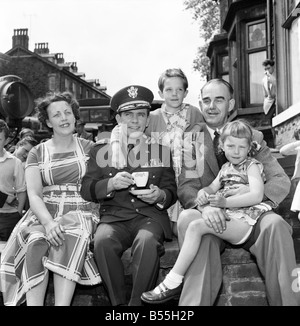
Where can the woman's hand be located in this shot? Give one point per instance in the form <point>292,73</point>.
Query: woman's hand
<point>54,232</point>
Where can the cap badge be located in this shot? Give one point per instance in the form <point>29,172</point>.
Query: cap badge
<point>132,92</point>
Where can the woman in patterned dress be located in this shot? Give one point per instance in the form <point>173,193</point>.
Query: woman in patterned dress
<point>55,233</point>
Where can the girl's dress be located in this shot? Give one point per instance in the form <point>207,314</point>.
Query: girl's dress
<point>229,177</point>
<point>28,256</point>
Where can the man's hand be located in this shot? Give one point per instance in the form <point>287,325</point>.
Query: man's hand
<point>152,197</point>
<point>215,218</point>
<point>122,180</point>
<point>236,190</point>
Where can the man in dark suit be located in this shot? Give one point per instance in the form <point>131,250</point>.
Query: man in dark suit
<point>130,217</point>
<point>270,242</point>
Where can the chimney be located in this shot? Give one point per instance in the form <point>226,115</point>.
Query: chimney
<point>74,67</point>
<point>41,48</point>
<point>20,37</point>
<point>59,58</point>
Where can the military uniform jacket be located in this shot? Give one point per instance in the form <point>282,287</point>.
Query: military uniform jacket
<point>121,204</point>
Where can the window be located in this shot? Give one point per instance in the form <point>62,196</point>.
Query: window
<point>84,115</point>
<point>67,85</point>
<point>100,115</point>
<point>294,41</point>
<point>256,53</point>
<point>292,26</point>
<point>224,67</point>
<point>51,83</point>
<point>290,5</point>
<point>74,89</point>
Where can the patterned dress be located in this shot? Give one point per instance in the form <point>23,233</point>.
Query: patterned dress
<point>28,256</point>
<point>231,176</point>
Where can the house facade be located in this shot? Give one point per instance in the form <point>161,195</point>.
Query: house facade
<point>252,31</point>
<point>43,71</point>
<point>39,71</point>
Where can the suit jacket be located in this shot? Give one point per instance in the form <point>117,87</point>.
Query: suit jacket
<point>200,168</point>
<point>269,88</point>
<point>121,204</point>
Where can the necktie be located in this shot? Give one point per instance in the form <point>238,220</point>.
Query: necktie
<point>130,154</point>
<point>221,158</point>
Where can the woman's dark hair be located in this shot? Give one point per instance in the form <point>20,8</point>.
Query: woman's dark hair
<point>43,103</point>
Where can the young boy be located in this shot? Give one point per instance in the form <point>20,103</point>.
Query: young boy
<point>12,180</point>
<point>23,147</point>
<point>169,122</point>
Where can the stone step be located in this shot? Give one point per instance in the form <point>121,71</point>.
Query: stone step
<point>242,285</point>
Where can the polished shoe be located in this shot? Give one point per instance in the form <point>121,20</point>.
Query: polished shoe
<point>163,296</point>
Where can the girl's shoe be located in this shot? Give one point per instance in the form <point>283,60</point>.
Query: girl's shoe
<point>163,296</point>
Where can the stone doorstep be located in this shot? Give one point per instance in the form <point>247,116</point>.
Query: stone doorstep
<point>242,281</point>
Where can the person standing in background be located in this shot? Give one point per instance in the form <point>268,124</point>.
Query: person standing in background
<point>81,132</point>
<point>23,147</point>
<point>269,88</point>
<point>12,183</point>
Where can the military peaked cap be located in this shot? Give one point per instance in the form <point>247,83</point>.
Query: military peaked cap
<point>131,98</point>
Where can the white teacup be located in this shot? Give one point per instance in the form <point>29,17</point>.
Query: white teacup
<point>140,178</point>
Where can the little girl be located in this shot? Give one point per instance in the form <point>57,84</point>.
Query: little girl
<point>291,149</point>
<point>242,210</point>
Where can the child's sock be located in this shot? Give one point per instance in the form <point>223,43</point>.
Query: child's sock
<point>171,281</point>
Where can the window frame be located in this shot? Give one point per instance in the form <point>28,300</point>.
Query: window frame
<point>246,60</point>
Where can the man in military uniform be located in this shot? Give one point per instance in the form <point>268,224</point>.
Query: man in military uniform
<point>130,217</point>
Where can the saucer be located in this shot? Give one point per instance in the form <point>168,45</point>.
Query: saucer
<point>140,191</point>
